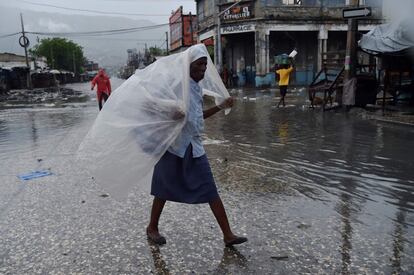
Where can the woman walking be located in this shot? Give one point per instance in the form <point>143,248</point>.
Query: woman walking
<point>150,133</point>
<point>183,173</point>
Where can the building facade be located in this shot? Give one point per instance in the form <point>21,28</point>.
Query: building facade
<point>10,60</point>
<point>183,30</point>
<point>253,32</point>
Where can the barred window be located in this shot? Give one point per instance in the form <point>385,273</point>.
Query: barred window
<point>292,2</point>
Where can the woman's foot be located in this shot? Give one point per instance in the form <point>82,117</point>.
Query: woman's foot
<point>233,240</point>
<point>154,236</point>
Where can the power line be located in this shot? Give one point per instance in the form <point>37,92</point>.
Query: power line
<point>117,39</point>
<point>94,33</point>
<point>8,35</point>
<point>99,33</point>
<point>93,11</point>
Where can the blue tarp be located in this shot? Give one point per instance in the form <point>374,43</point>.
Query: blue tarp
<point>34,175</point>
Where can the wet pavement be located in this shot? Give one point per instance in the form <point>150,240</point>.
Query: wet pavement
<point>315,193</point>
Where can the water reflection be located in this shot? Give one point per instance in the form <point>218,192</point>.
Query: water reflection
<point>283,132</point>
<point>159,263</point>
<point>398,243</point>
<point>346,232</point>
<point>231,259</point>
<point>400,231</point>
<point>362,167</point>
<point>34,130</point>
<point>345,204</point>
<point>29,132</point>
<point>360,170</point>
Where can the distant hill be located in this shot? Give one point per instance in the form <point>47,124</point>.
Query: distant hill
<point>108,51</point>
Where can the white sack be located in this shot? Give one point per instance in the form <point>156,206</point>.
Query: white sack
<point>135,127</point>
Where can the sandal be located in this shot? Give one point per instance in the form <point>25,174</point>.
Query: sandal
<point>237,240</point>
<point>160,240</point>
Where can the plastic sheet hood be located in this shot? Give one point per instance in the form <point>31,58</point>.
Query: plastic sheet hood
<point>136,125</point>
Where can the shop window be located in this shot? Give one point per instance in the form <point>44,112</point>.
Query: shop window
<point>200,11</point>
<point>208,8</point>
<point>361,2</point>
<point>373,3</point>
<point>271,3</point>
<point>335,3</point>
<point>205,9</point>
<point>292,2</point>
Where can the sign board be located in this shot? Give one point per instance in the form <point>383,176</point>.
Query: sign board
<point>357,12</point>
<point>239,12</point>
<point>189,30</point>
<point>176,31</point>
<point>238,28</point>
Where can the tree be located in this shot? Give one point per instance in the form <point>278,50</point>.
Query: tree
<point>210,50</point>
<point>61,54</point>
<point>155,51</point>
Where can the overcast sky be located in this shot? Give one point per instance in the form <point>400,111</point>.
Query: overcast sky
<point>48,20</point>
<point>158,11</point>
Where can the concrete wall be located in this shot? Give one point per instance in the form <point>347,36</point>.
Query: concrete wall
<point>295,13</point>
<point>9,57</point>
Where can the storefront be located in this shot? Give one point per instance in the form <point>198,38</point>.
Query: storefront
<point>306,44</point>
<point>238,43</point>
<point>239,53</point>
<point>254,32</point>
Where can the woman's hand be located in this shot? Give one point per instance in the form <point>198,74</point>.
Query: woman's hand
<point>178,115</point>
<point>227,103</point>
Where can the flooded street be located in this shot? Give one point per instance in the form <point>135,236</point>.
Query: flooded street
<point>317,193</point>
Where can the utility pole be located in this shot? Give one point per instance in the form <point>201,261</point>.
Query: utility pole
<point>74,62</point>
<point>166,41</point>
<point>351,45</point>
<point>191,29</point>
<point>219,58</point>
<point>24,42</point>
<point>351,60</point>
<point>51,57</point>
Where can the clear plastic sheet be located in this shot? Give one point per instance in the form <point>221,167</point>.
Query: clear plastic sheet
<point>389,38</point>
<point>137,124</point>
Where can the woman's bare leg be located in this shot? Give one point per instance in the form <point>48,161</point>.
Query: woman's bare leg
<point>152,229</point>
<point>220,213</point>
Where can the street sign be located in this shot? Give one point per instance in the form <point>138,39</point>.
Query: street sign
<point>357,12</point>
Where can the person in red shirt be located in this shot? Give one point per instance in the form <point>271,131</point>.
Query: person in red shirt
<point>103,91</point>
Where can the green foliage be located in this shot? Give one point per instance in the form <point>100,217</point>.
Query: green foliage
<point>210,50</point>
<point>61,54</point>
<point>155,51</point>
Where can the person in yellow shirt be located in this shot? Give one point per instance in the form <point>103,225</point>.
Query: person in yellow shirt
<point>284,75</point>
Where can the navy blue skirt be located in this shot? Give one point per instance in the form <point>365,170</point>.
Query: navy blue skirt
<point>186,180</point>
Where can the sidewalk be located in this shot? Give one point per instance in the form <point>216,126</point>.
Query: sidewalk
<point>394,114</point>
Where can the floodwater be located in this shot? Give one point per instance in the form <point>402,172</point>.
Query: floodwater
<point>317,193</point>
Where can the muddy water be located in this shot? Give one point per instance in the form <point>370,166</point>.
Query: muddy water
<point>314,192</point>
<point>350,179</point>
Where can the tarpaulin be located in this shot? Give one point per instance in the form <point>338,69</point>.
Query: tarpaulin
<point>389,38</point>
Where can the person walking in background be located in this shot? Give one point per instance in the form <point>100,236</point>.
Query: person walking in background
<point>234,78</point>
<point>284,74</point>
<point>103,90</point>
<point>225,76</point>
